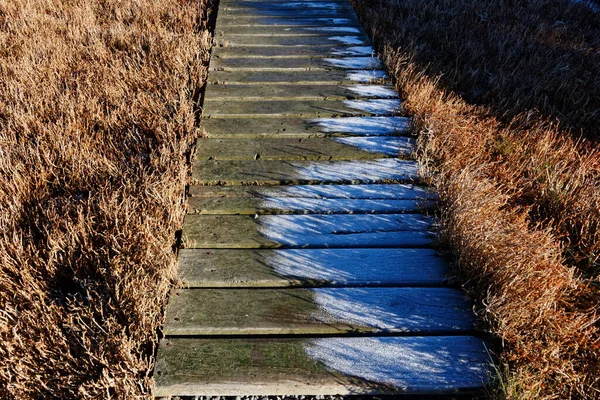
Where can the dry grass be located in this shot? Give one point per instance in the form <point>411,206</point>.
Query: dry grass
<point>493,87</point>
<point>97,115</point>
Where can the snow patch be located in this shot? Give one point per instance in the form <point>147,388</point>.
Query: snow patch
<point>355,62</point>
<point>367,126</point>
<point>353,51</point>
<point>366,76</point>
<point>356,40</point>
<point>392,146</point>
<point>373,90</point>
<point>365,171</point>
<point>376,106</point>
<point>421,364</point>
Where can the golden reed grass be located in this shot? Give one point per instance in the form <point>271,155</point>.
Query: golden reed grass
<point>97,115</point>
<point>499,92</point>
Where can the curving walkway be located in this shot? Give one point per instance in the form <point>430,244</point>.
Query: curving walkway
<point>306,251</point>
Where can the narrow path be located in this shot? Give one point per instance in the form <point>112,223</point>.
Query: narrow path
<point>307,248</point>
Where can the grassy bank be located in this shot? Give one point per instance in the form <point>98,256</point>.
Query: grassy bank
<point>97,115</point>
<point>501,92</point>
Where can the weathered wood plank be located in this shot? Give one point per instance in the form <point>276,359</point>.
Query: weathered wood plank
<point>293,41</point>
<point>306,231</point>
<point>278,30</point>
<point>372,192</point>
<point>301,108</point>
<point>325,366</point>
<point>300,127</point>
<point>194,312</point>
<point>298,92</point>
<point>240,206</point>
<point>352,148</point>
<point>309,13</point>
<point>297,64</point>
<point>311,267</point>
<point>292,77</point>
<point>290,6</point>
<point>303,172</point>
<point>293,52</point>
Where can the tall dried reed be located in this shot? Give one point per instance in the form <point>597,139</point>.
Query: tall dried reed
<point>493,86</point>
<point>97,114</point>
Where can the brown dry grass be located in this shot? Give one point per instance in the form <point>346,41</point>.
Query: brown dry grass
<point>493,86</point>
<point>97,114</point>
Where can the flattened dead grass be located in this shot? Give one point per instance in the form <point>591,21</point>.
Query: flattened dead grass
<point>500,92</point>
<point>97,115</point>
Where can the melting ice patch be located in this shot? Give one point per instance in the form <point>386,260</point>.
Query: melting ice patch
<point>392,146</point>
<point>355,62</point>
<point>366,76</point>
<point>375,106</point>
<point>364,171</point>
<point>411,364</point>
<point>372,90</point>
<point>353,51</point>
<point>356,40</point>
<point>368,126</point>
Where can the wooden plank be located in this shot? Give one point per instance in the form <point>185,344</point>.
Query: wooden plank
<point>301,108</point>
<point>195,312</point>
<point>371,192</point>
<point>278,30</point>
<point>293,77</point>
<point>356,148</point>
<point>293,52</point>
<point>297,92</point>
<point>306,231</point>
<point>297,64</point>
<point>303,172</point>
<point>258,14</point>
<point>303,127</point>
<point>322,366</point>
<point>225,21</point>
<point>333,41</point>
<point>290,6</point>
<point>217,206</point>
<point>311,267</point>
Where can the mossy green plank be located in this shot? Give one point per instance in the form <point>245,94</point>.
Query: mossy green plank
<point>306,231</point>
<point>317,311</point>
<point>321,366</point>
<point>274,53</point>
<point>382,170</point>
<point>371,192</point>
<point>298,64</point>
<point>305,127</point>
<point>311,267</point>
<point>298,92</point>
<point>293,77</point>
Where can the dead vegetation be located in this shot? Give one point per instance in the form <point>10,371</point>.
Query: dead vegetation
<point>97,115</point>
<point>500,92</point>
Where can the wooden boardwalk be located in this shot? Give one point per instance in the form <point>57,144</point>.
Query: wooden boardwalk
<point>306,252</point>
